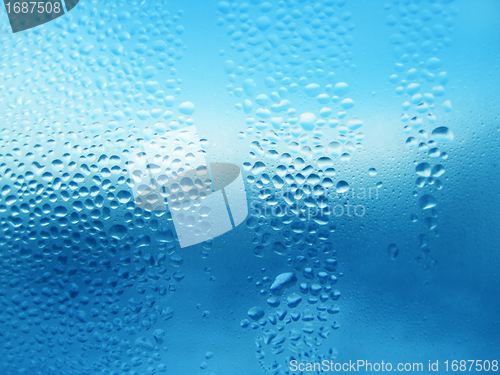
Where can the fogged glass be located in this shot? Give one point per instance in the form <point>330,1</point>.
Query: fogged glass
<point>250,187</point>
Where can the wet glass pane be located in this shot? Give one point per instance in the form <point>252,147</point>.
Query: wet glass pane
<point>249,187</point>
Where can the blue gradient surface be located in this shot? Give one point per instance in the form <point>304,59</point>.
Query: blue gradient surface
<point>368,138</point>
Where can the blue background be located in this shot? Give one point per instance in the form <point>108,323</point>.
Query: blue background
<point>78,93</point>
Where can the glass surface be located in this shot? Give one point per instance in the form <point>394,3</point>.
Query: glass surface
<point>338,160</point>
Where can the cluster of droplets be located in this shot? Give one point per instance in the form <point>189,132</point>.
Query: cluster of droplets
<point>84,272</point>
<point>421,32</point>
<point>113,65</point>
<point>284,67</point>
<point>279,53</point>
<point>300,311</point>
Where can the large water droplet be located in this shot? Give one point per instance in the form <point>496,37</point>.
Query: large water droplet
<point>186,108</point>
<point>118,231</point>
<point>354,124</point>
<point>392,251</point>
<point>427,201</point>
<point>307,120</point>
<point>442,134</point>
<point>342,187</point>
<point>341,88</point>
<point>256,312</point>
<point>423,169</point>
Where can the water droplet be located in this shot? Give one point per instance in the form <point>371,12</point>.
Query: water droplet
<point>282,281</point>
<point>118,231</point>
<point>186,108</point>
<point>342,187</point>
<point>442,134</point>
<point>433,63</point>
<point>427,201</point>
<point>256,313</point>
<point>334,149</point>
<point>423,169</point>
<point>354,124</point>
<point>258,167</point>
<point>392,251</point>
<point>263,23</point>
<point>341,88</point>
<point>293,300</point>
<point>437,170</point>
<point>312,90</point>
<point>307,120</point>
<point>224,7</point>
<point>249,86</point>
